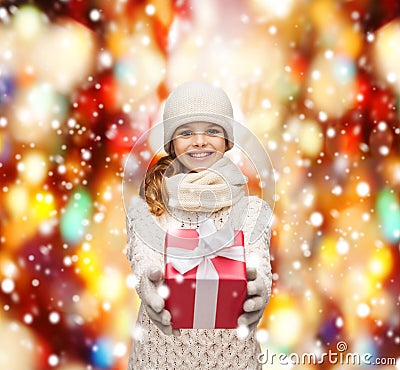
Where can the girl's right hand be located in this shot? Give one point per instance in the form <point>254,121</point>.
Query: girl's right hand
<point>154,303</point>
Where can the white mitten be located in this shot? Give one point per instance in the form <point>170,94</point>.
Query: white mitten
<point>257,299</point>
<point>154,303</point>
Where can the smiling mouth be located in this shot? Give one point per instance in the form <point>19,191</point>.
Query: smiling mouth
<point>200,155</point>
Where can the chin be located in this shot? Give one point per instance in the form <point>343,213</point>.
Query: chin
<point>198,167</point>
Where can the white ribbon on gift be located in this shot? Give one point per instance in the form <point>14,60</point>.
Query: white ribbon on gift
<point>212,243</point>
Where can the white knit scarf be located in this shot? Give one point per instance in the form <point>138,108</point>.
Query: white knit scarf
<point>209,190</point>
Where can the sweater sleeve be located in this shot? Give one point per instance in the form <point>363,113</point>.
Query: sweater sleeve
<point>257,235</point>
<point>145,241</point>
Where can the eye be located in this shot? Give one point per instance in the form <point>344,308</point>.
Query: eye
<point>186,133</point>
<point>213,132</point>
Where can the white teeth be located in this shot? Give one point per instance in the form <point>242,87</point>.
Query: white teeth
<point>199,155</point>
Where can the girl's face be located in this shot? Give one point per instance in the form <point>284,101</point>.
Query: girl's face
<point>198,145</point>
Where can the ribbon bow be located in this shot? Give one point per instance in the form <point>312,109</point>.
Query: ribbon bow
<point>212,243</point>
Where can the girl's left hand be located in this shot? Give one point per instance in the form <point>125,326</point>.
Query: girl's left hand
<point>154,303</point>
<point>256,300</point>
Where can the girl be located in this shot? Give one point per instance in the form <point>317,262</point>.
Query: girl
<point>193,182</point>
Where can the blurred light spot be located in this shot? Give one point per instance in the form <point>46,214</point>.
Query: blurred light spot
<point>363,189</point>
<point>33,167</point>
<point>261,336</point>
<point>386,53</point>
<point>79,208</point>
<point>363,310</point>
<point>316,219</point>
<point>389,214</point>
<point>28,318</point>
<point>163,291</point>
<point>53,360</point>
<point>339,322</point>
<point>95,15</point>
<point>119,350</point>
<point>28,22</point>
<point>342,246</point>
<point>380,263</point>
<point>7,285</point>
<point>150,9</point>
<point>242,331</point>
<point>54,317</point>
<point>102,353</point>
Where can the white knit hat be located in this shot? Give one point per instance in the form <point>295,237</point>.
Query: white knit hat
<point>197,102</point>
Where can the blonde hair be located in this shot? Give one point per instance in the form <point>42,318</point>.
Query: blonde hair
<point>151,188</point>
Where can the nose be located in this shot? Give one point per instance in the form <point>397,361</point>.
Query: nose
<point>200,139</point>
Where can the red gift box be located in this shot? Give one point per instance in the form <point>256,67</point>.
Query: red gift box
<point>213,299</point>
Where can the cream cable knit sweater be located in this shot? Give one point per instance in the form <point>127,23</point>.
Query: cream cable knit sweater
<point>196,348</point>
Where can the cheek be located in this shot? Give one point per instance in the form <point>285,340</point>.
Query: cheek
<point>220,146</point>
<point>178,151</point>
<point>177,148</point>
